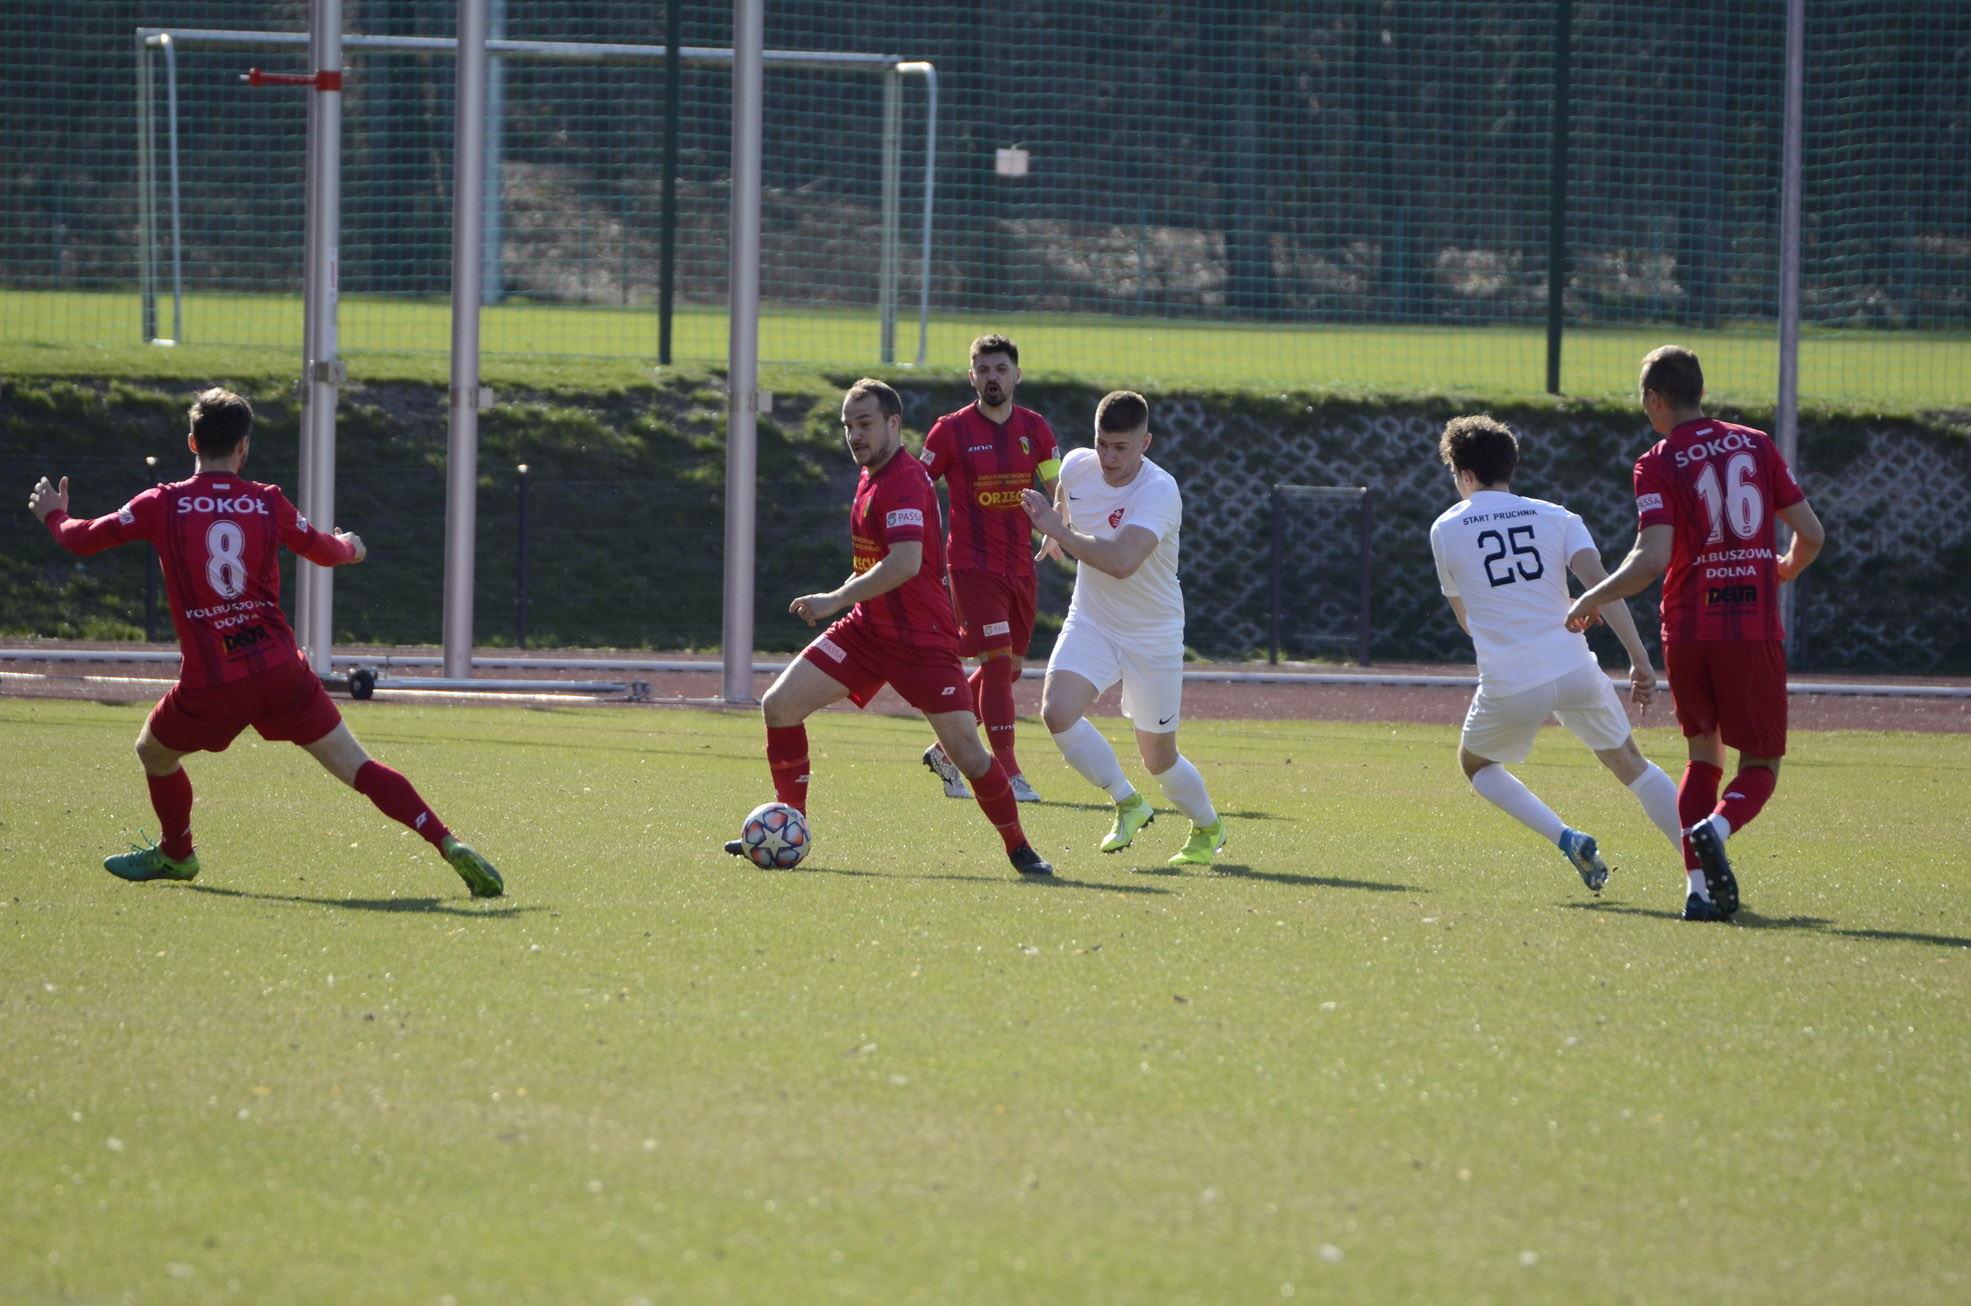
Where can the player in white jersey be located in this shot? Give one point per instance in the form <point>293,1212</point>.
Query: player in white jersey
<point>1117,514</point>
<point>1502,561</point>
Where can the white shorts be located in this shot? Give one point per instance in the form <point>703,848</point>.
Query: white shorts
<point>1502,727</point>
<point>1152,680</point>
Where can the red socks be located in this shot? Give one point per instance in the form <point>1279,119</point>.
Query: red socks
<point>787,758</point>
<point>396,799</point>
<point>995,797</point>
<point>1696,797</point>
<point>1748,792</point>
<point>171,799</point>
<point>992,692</point>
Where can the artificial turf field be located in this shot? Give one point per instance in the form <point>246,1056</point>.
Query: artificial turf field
<point>1389,1051</point>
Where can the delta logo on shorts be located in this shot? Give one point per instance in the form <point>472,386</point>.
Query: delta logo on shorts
<point>1115,518</point>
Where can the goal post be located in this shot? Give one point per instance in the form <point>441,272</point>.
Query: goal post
<point>161,242</point>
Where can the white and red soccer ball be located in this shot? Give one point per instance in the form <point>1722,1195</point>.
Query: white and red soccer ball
<point>775,836</point>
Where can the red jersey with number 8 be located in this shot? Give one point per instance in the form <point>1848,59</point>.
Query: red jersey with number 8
<point>218,538</point>
<point>1719,486</point>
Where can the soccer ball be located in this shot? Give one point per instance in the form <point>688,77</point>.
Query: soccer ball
<point>775,836</point>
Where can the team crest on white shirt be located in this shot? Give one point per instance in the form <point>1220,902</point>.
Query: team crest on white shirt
<point>1115,518</point>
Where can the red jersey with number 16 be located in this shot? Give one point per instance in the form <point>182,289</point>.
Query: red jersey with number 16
<point>985,466</point>
<point>218,538</point>
<point>895,504</point>
<point>1719,486</point>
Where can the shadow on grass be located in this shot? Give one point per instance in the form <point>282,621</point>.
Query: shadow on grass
<point>1751,920</point>
<point>1243,872</point>
<point>432,906</point>
<point>1051,882</point>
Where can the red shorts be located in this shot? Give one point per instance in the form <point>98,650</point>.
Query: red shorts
<point>932,680</point>
<point>285,703</point>
<point>993,611</point>
<point>1734,688</point>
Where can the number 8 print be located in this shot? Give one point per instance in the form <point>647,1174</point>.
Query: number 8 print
<point>225,568</point>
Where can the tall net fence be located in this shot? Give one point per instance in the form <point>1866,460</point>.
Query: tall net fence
<point>1359,194</point>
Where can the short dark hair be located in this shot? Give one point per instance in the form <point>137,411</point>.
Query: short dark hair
<point>994,343</point>
<point>1481,445</point>
<point>1122,410</point>
<point>1672,372</point>
<point>870,388</point>
<point>220,420</point>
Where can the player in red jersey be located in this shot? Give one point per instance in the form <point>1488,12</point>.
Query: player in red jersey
<point>1706,496</point>
<point>986,453</point>
<point>899,628</point>
<point>219,536</point>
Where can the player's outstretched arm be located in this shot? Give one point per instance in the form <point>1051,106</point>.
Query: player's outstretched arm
<point>1646,561</point>
<point>1808,536</point>
<point>47,498</point>
<point>1642,673</point>
<point>892,570</point>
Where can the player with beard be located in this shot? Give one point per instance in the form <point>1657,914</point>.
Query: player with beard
<point>987,453</point>
<point>899,629</point>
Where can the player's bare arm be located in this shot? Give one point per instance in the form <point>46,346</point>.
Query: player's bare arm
<point>891,571</point>
<point>1049,547</point>
<point>1586,565</point>
<point>1119,556</point>
<point>1808,536</point>
<point>48,498</point>
<point>1646,561</point>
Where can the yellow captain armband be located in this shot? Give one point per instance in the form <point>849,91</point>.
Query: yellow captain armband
<point>1050,469</point>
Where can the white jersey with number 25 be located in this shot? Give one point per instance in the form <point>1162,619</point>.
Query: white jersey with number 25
<point>1506,557</point>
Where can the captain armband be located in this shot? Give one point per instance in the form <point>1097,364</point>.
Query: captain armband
<point>1050,469</point>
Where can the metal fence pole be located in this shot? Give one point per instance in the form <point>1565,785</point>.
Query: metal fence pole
<point>1368,536</point>
<point>1279,539</point>
<point>177,228</point>
<point>520,537</point>
<point>314,602</point>
<point>146,189</point>
<point>668,251</point>
<point>886,276</point>
<point>1788,416</point>
<point>150,571</point>
<point>492,272</point>
<point>1557,190</point>
<point>743,350</point>
<point>462,445</point>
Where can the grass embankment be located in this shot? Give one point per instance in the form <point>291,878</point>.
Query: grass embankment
<point>1389,1052</point>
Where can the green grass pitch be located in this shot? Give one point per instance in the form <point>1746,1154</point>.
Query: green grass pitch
<point>1391,1051</point>
<point>49,332</point>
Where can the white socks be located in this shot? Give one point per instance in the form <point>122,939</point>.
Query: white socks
<point>1657,793</point>
<point>1499,787</point>
<point>1087,752</point>
<point>1185,788</point>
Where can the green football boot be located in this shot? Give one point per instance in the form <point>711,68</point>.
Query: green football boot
<point>1205,840</point>
<point>476,871</point>
<point>1132,814</point>
<point>150,863</point>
